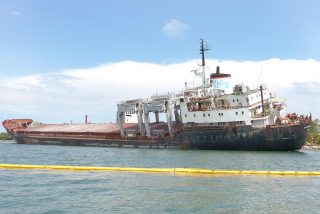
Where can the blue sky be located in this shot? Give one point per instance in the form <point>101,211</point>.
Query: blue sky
<point>42,42</point>
<point>45,36</point>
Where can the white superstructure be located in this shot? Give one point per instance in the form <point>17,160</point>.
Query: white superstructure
<point>214,103</point>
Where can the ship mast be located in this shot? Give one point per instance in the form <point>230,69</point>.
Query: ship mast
<point>203,49</point>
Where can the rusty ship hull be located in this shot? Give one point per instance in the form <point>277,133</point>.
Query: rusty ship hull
<point>271,138</point>
<point>210,115</point>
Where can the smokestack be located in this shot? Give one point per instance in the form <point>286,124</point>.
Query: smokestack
<point>218,70</point>
<point>86,119</point>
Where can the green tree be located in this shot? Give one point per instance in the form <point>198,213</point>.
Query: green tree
<point>5,136</point>
<point>37,123</point>
<point>314,135</point>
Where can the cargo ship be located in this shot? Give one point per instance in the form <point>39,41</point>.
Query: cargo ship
<point>211,115</point>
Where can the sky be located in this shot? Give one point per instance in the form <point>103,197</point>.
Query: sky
<point>60,60</point>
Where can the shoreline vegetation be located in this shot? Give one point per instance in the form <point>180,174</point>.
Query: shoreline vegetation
<point>313,139</point>
<point>5,136</point>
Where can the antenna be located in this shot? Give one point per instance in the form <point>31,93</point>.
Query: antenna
<point>203,49</point>
<point>259,77</point>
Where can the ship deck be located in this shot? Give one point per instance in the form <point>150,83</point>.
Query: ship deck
<point>98,128</point>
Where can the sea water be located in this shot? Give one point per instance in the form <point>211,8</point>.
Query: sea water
<point>46,191</point>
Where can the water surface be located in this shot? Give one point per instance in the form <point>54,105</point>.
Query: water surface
<point>41,191</point>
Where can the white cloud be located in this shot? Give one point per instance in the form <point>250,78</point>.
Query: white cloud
<point>15,13</point>
<point>175,28</point>
<point>70,94</point>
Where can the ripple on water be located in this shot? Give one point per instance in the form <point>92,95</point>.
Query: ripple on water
<point>41,191</point>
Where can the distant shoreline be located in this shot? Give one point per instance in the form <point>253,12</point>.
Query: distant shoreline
<point>5,136</point>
